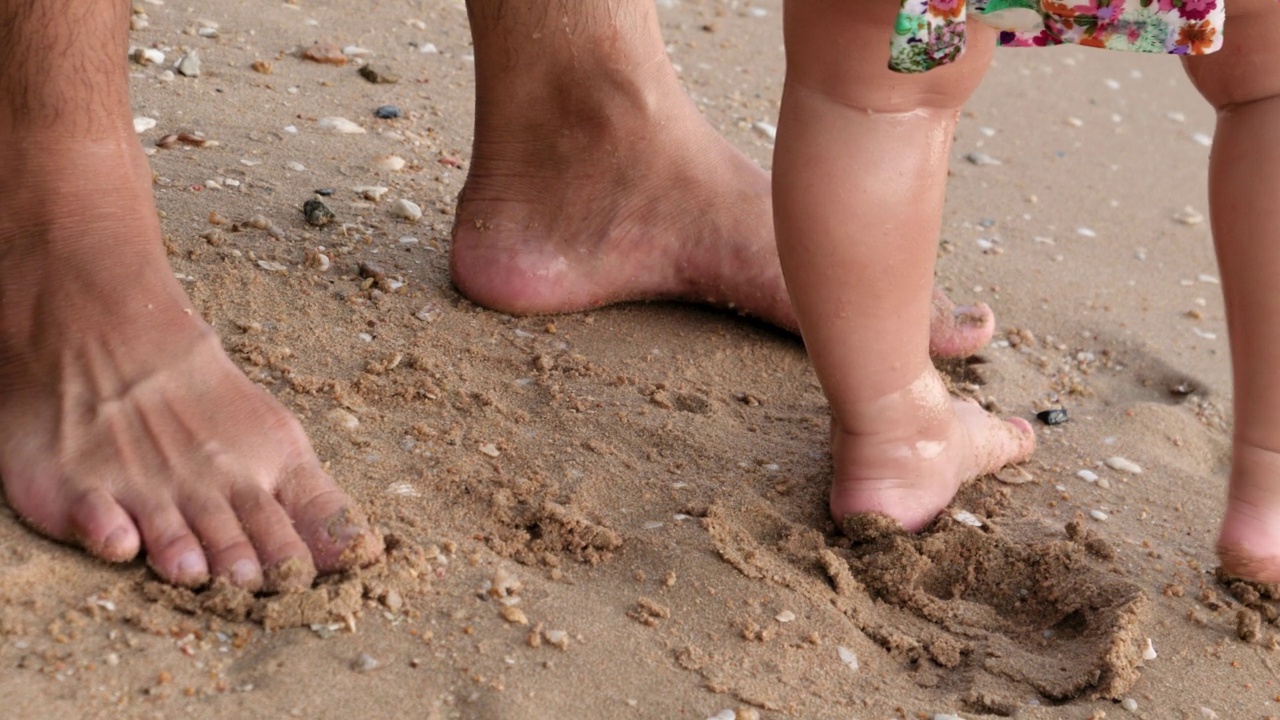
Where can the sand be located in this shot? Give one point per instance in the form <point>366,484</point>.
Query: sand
<point>622,513</point>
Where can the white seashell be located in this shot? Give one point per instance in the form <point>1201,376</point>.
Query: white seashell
<point>390,163</point>
<point>1124,465</point>
<point>406,210</point>
<point>848,657</point>
<point>340,125</point>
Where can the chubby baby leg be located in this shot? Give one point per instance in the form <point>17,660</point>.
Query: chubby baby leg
<point>1244,181</point>
<point>859,179</point>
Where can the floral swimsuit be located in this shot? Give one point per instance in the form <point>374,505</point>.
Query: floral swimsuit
<point>930,33</point>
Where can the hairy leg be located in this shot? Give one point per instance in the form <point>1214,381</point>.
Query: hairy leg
<point>595,180</point>
<point>123,425</point>
<point>858,191</point>
<point>1244,181</point>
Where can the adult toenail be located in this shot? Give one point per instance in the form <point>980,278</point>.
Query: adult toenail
<point>118,543</point>
<point>191,566</point>
<point>244,572</point>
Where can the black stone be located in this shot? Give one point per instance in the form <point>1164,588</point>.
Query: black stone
<point>1056,416</point>
<point>387,112</point>
<point>317,213</point>
<point>325,192</point>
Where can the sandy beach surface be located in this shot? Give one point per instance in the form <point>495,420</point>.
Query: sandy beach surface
<point>622,513</point>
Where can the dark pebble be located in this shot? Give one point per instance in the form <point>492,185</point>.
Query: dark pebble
<point>378,76</point>
<point>325,192</point>
<point>1056,416</point>
<point>317,213</point>
<point>387,112</point>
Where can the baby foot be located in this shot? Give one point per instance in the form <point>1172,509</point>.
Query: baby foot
<point>925,444</point>
<point>1249,541</point>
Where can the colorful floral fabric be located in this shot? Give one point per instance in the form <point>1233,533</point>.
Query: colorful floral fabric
<point>930,33</point>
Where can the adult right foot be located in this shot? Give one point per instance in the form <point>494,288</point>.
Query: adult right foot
<point>123,424</point>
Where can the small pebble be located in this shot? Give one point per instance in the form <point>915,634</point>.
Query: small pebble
<point>143,124</point>
<point>724,715</point>
<point>1086,232</point>
<point>373,193</point>
<point>324,192</point>
<point>982,159</point>
<point>190,65</point>
<point>1149,651</point>
<point>326,54</point>
<point>364,663</point>
<point>785,616</point>
<point>378,76</point>
<point>514,615</point>
<point>1188,216</point>
<point>343,419</point>
<point>947,716</point>
<point>1124,465</point>
<point>967,518</point>
<point>1098,515</point>
<point>387,112</point>
<point>490,449</point>
<point>406,210</point>
<point>1054,416</point>
<point>317,213</point>
<point>1208,714</point>
<point>1129,704</point>
<point>147,56</point>
<point>1087,475</point>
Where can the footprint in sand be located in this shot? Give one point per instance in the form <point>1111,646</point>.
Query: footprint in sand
<point>993,616</point>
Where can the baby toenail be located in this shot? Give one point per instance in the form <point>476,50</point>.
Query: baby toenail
<point>244,572</point>
<point>969,315</point>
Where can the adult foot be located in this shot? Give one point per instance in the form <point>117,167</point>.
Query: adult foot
<point>1249,540</point>
<point>596,182</point>
<point>123,424</point>
<point>926,444</point>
